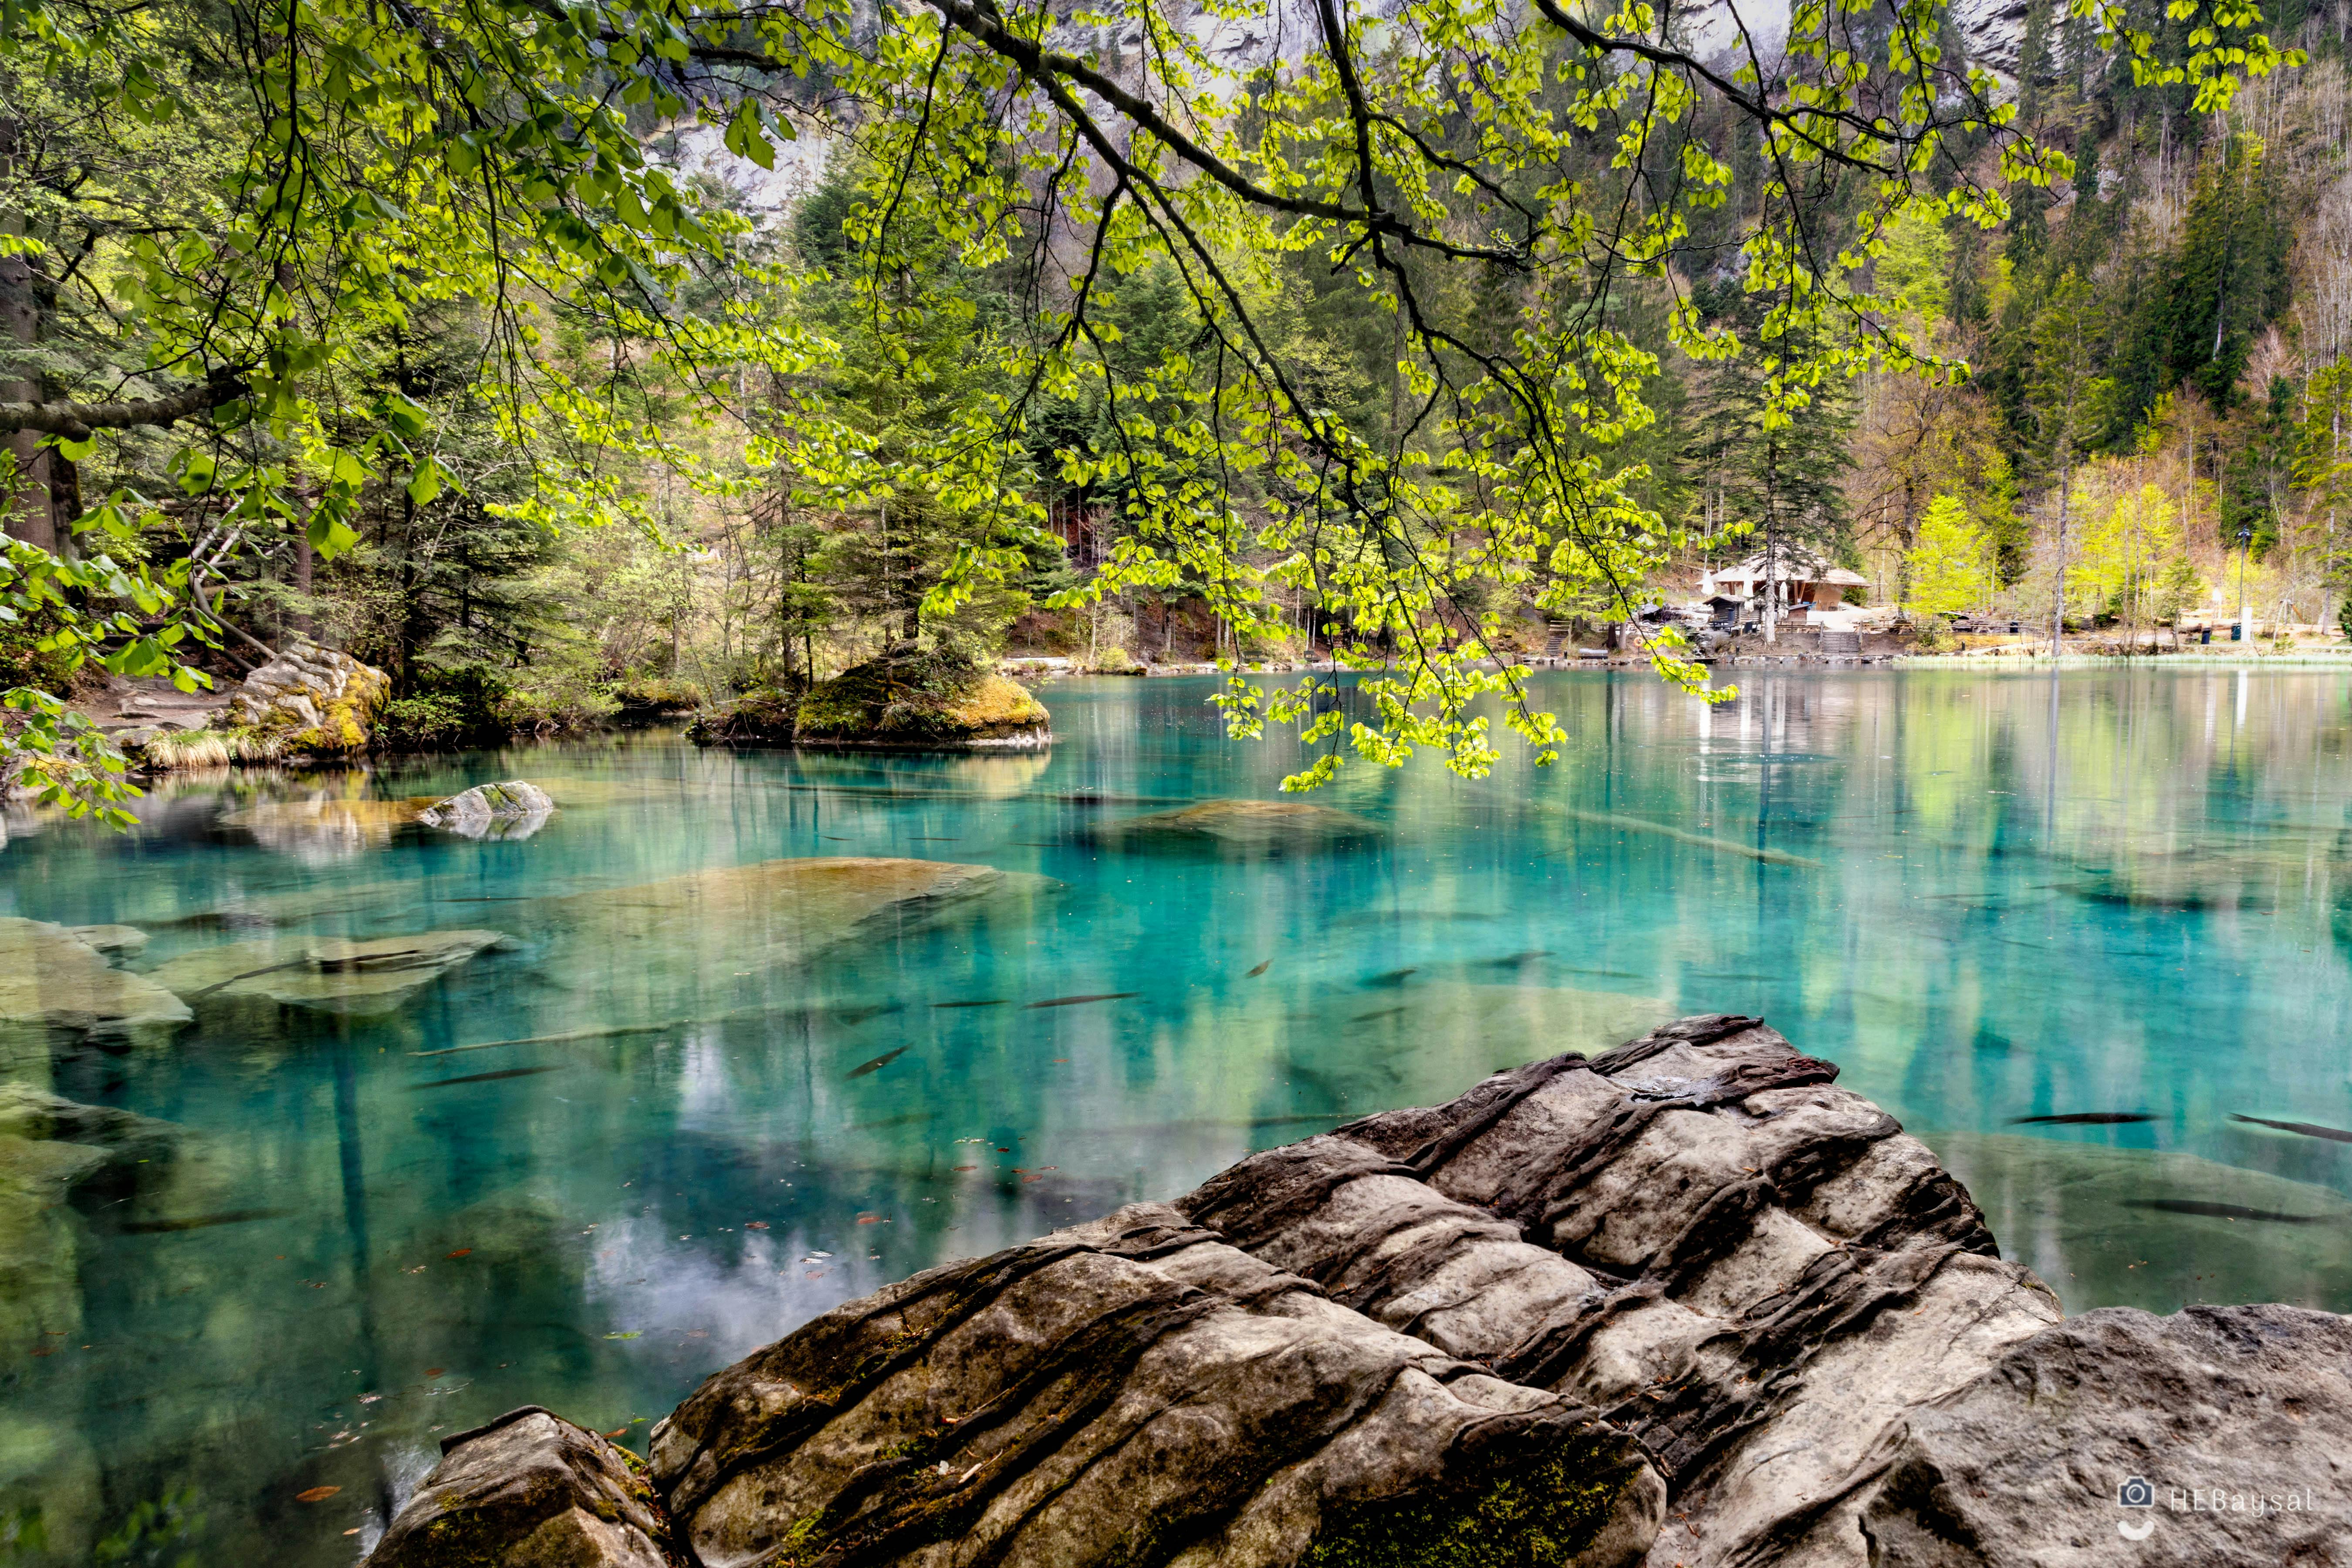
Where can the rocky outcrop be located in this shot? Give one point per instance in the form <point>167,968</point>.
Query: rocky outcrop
<point>511,810</point>
<point>529,1489</point>
<point>55,983</point>
<point>322,975</point>
<point>1240,826</point>
<point>316,700</point>
<point>1685,1302</point>
<point>1753,1272</point>
<point>1135,1391</point>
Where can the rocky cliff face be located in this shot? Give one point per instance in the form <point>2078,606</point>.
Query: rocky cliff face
<point>1685,1303</point>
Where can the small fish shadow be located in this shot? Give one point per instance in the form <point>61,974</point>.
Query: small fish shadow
<point>2221,1211</point>
<point>485,1076</point>
<point>2308,1128</point>
<point>878,1063</point>
<point>2083,1118</point>
<point>198,1221</point>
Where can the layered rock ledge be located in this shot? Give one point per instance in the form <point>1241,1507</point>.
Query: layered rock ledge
<point>1685,1303</point>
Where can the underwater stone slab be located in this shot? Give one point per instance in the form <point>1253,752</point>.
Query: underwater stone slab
<point>53,981</point>
<point>1240,826</point>
<point>679,941</point>
<point>529,1489</point>
<point>1135,1391</point>
<point>325,975</point>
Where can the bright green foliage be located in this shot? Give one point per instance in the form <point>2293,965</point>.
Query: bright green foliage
<point>2125,549</point>
<point>1951,568</point>
<point>1508,189</point>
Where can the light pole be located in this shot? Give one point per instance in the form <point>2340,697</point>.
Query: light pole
<point>2245,548</point>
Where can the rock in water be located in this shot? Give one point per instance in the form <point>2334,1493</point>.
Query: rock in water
<point>511,810</point>
<point>54,983</point>
<point>316,700</point>
<point>1136,1392</point>
<point>325,975</point>
<point>905,704</point>
<point>1240,826</point>
<point>529,1489</point>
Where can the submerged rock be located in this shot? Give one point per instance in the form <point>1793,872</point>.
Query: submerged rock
<point>1135,1391</point>
<point>1241,826</point>
<point>313,700</point>
<point>529,1489</point>
<point>114,941</point>
<point>905,704</point>
<point>325,974</point>
<point>50,1146</point>
<point>53,982</point>
<point>686,939</point>
<point>511,810</point>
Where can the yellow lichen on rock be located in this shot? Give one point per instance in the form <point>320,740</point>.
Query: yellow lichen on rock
<point>313,700</point>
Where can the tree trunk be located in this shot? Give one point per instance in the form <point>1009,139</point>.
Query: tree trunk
<point>33,509</point>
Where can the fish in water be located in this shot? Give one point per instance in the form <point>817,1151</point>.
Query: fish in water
<point>2220,1210</point>
<point>1514,959</point>
<point>2083,1119</point>
<point>198,1221</point>
<point>2308,1129</point>
<point>912,1119</point>
<point>1261,969</point>
<point>854,1016</point>
<point>486,1077</point>
<point>985,1002</point>
<point>878,1063</point>
<point>1383,1013</point>
<point>1074,1001</point>
<point>1393,977</point>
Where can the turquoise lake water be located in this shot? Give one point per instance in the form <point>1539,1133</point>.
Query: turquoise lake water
<point>1988,897</point>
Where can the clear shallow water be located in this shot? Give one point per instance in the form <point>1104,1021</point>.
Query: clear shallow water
<point>1988,897</point>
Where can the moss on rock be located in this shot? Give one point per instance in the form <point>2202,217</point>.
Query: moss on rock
<point>920,704</point>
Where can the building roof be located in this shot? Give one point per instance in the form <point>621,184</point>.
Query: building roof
<point>1795,566</point>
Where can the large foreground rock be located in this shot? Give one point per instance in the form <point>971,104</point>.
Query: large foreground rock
<point>1687,1301</point>
<point>1136,1392</point>
<point>529,1489</point>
